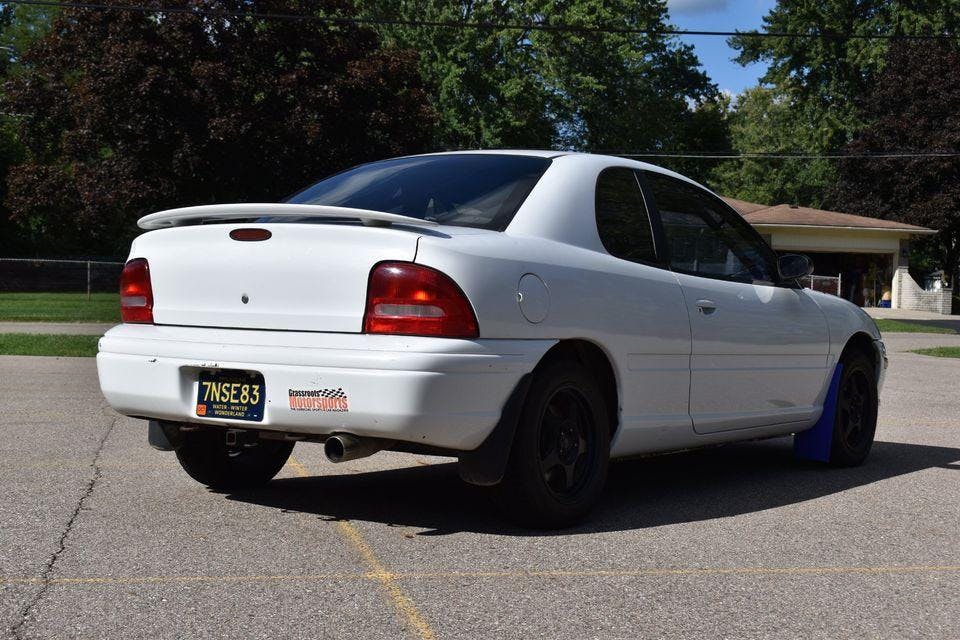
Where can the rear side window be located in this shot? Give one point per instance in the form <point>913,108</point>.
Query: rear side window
<point>468,190</point>
<point>705,238</point>
<point>622,220</point>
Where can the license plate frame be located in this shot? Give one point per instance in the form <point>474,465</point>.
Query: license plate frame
<point>230,393</point>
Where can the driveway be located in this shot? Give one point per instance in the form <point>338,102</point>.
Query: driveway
<point>104,537</point>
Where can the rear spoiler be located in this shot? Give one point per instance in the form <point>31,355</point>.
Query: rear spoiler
<point>224,212</point>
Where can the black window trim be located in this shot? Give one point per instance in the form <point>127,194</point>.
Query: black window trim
<point>656,231</point>
<point>724,209</point>
<point>661,246</point>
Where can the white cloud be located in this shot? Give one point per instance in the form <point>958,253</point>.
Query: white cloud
<point>696,6</point>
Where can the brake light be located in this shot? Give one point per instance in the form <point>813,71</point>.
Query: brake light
<point>250,235</point>
<point>136,293</point>
<point>409,299</point>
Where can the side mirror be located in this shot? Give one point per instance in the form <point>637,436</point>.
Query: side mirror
<point>793,266</point>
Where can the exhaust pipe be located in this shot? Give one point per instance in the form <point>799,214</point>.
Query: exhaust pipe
<point>341,447</point>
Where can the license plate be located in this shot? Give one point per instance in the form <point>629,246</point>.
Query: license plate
<point>237,395</point>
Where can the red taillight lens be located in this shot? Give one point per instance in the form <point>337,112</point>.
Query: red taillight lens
<point>409,299</point>
<point>136,294</point>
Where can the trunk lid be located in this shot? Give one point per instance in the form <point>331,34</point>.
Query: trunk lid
<point>306,277</point>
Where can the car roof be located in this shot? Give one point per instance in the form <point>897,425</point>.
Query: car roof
<point>550,154</point>
<point>535,153</point>
<point>554,209</point>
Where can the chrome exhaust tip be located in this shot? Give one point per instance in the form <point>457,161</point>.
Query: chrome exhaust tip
<point>342,447</point>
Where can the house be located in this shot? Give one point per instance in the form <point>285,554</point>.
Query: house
<point>864,260</point>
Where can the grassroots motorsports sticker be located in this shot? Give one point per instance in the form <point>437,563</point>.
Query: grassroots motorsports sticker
<point>318,400</point>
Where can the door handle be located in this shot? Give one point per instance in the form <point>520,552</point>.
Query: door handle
<point>706,307</point>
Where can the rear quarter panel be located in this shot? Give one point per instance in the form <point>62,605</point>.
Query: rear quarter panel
<point>635,313</point>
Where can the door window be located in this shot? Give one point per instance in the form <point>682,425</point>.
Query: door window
<point>622,219</point>
<point>705,238</point>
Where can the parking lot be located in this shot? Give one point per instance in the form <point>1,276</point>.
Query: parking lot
<point>101,536</point>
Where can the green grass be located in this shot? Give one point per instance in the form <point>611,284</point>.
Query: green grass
<point>59,307</point>
<point>900,326</point>
<point>940,352</point>
<point>28,344</point>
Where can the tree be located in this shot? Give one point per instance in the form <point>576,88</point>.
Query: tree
<point>20,26</point>
<point>822,77</point>
<point>131,112</point>
<point>534,88</point>
<point>701,130</point>
<point>816,81</point>
<point>763,122</point>
<point>913,107</point>
<point>483,82</point>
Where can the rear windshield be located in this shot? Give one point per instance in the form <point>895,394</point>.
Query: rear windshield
<point>468,190</point>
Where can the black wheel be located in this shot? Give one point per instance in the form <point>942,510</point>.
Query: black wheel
<point>560,454</point>
<point>205,456</point>
<point>856,421</point>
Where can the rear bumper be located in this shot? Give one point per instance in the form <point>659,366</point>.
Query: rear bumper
<point>434,391</point>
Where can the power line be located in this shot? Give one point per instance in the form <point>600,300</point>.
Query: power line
<point>793,156</point>
<point>452,24</point>
<point>543,26</point>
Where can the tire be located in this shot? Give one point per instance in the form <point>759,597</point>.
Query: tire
<point>206,458</point>
<point>561,451</point>
<point>855,423</point>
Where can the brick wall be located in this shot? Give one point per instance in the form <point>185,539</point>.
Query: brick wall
<point>907,294</point>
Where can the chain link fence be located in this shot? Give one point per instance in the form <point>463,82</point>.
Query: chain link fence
<point>826,284</point>
<point>25,275</point>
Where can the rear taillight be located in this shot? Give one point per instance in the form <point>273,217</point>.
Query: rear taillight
<point>136,294</point>
<point>410,299</point>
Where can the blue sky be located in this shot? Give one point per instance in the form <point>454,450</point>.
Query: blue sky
<point>715,56</point>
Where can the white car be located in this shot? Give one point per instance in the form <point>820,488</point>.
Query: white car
<point>532,313</point>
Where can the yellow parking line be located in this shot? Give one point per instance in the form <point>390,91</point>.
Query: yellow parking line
<point>297,468</point>
<point>378,571</point>
<point>389,581</point>
<point>125,580</point>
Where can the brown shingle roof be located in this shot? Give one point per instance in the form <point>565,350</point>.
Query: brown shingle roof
<point>785,214</point>
<point>743,206</point>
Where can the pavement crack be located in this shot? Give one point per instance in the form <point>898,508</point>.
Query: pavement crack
<point>51,563</point>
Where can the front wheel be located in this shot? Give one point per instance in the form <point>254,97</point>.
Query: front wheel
<point>561,451</point>
<point>856,420</point>
<point>205,456</point>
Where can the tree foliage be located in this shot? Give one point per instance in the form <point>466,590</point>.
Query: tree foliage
<point>20,26</point>
<point>821,76</point>
<point>814,84</point>
<point>590,91</point>
<point>763,122</point>
<point>129,113</point>
<point>913,107</point>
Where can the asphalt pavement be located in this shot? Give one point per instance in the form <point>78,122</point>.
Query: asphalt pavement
<point>101,536</point>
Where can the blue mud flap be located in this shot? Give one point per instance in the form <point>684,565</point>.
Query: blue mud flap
<point>814,444</point>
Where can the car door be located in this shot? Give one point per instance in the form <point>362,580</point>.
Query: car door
<point>759,350</point>
<point>649,333</point>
